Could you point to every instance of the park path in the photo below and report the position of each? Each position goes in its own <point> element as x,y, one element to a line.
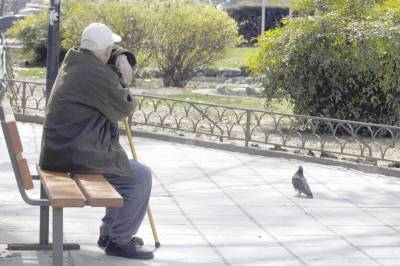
<point>215,207</point>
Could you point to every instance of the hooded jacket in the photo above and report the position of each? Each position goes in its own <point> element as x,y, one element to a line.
<point>80,132</point>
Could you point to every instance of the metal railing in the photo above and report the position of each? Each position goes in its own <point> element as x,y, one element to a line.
<point>27,98</point>
<point>2,65</point>
<point>6,70</point>
<point>257,128</point>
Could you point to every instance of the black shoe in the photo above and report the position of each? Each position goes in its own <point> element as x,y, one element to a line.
<point>129,250</point>
<point>103,240</point>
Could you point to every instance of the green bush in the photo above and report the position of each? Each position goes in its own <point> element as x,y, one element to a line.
<point>32,31</point>
<point>176,34</point>
<point>315,7</point>
<point>186,36</point>
<point>338,64</point>
<point>132,21</point>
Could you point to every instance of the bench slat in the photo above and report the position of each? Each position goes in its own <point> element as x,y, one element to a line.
<point>61,189</point>
<point>25,173</point>
<point>98,191</point>
<point>17,150</point>
<point>11,134</point>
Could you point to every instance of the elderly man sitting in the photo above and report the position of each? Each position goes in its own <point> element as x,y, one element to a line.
<point>80,133</point>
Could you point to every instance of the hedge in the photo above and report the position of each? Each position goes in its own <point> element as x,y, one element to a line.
<point>343,63</point>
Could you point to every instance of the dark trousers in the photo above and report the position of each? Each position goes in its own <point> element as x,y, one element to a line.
<point>120,224</point>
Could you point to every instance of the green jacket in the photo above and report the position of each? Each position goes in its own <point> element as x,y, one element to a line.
<point>80,132</point>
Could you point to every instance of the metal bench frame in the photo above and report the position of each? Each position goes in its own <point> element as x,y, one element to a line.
<point>44,203</point>
<point>57,246</point>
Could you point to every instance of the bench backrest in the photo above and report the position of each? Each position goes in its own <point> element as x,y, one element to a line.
<point>14,145</point>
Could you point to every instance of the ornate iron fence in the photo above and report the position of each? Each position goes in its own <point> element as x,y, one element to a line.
<point>257,128</point>
<point>27,98</point>
<point>6,69</point>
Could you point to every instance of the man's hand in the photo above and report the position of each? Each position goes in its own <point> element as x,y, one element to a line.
<point>125,69</point>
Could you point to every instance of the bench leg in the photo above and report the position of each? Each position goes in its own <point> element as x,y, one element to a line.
<point>43,233</point>
<point>57,237</point>
<point>44,220</point>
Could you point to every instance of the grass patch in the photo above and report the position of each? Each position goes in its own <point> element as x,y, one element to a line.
<point>237,57</point>
<point>18,54</point>
<point>277,105</point>
<point>32,72</point>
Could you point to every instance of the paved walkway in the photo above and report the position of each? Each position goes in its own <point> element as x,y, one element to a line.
<point>221,208</point>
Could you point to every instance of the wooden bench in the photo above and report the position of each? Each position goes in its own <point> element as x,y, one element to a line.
<point>57,190</point>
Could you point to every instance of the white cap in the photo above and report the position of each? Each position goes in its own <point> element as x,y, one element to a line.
<point>98,36</point>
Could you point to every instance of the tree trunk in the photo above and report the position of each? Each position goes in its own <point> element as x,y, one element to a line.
<point>175,77</point>
<point>174,81</point>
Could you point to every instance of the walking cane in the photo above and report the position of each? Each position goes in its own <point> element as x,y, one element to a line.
<point>149,214</point>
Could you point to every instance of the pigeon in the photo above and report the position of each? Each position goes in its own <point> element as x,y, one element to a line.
<point>300,183</point>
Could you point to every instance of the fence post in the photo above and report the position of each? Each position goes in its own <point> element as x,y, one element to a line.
<point>23,100</point>
<point>247,133</point>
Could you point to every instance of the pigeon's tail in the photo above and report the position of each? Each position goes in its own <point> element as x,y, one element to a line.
<point>307,191</point>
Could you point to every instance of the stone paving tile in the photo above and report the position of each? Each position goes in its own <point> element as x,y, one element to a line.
<point>390,216</point>
<point>239,181</point>
<point>215,207</point>
<point>365,195</point>
<point>215,230</point>
<point>232,253</point>
<point>283,216</point>
<point>369,236</point>
<point>319,230</point>
<point>311,241</point>
<point>269,262</point>
<point>387,183</point>
<point>236,239</point>
<point>32,258</point>
<point>18,236</point>
<point>189,183</point>
<point>220,201</point>
<point>199,193</point>
<point>390,262</point>
<point>382,252</point>
<point>201,209</point>
<point>344,251</point>
<point>257,196</point>
<point>342,216</point>
<point>342,262</point>
<point>221,219</point>
<point>184,253</point>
